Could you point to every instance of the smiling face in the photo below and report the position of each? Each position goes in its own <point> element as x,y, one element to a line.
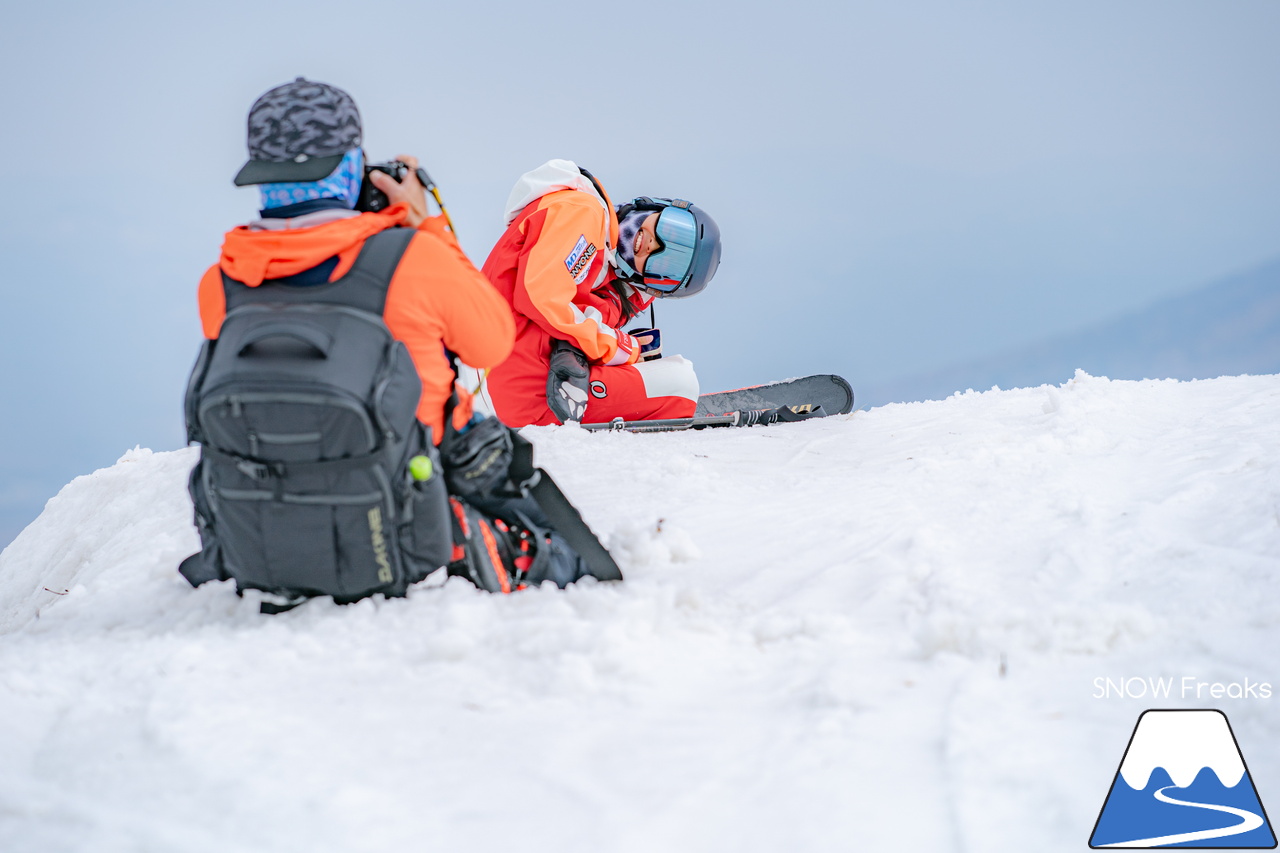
<point>646,241</point>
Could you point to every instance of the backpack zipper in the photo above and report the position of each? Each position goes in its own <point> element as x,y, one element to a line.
<point>337,400</point>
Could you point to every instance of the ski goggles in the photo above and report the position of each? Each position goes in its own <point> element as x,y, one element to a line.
<point>677,232</point>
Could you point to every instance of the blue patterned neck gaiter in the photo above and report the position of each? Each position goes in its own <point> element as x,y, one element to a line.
<point>343,183</point>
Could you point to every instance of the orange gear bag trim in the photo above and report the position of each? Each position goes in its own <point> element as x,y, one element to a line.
<point>436,299</point>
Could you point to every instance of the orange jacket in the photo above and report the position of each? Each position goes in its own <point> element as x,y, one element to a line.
<point>553,255</point>
<point>436,299</point>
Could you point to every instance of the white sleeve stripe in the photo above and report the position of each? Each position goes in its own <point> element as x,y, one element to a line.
<point>594,315</point>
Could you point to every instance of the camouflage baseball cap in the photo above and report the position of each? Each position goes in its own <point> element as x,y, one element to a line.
<point>299,132</point>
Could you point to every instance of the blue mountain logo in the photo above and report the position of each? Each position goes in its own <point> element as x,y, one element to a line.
<point>1183,783</point>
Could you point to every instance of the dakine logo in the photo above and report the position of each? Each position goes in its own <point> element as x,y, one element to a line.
<point>482,470</point>
<point>380,554</point>
<point>1183,782</point>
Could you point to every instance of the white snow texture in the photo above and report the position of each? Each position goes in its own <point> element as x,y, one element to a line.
<point>871,632</point>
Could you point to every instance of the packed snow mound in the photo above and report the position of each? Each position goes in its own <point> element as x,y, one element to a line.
<point>877,631</point>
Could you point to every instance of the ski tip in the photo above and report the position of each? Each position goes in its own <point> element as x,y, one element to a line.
<point>848,390</point>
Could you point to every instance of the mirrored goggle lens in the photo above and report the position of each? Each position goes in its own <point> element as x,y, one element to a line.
<point>678,232</point>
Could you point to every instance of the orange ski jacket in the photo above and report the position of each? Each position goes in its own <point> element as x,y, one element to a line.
<point>561,234</point>
<point>436,299</point>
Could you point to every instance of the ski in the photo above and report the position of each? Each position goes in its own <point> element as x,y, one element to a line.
<point>827,390</point>
<point>744,418</point>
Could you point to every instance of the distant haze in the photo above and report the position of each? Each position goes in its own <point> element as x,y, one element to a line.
<point>1227,328</point>
<point>902,187</point>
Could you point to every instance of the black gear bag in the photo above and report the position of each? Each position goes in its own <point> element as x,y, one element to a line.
<point>305,410</point>
<point>513,527</point>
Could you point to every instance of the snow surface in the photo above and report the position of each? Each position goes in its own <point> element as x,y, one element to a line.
<point>873,632</point>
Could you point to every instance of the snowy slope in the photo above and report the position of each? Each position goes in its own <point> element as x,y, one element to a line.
<point>873,632</point>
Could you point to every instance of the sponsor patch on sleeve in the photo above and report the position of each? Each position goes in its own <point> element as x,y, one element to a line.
<point>578,248</point>
<point>578,261</point>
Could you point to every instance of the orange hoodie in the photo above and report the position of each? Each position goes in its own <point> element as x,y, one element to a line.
<point>437,298</point>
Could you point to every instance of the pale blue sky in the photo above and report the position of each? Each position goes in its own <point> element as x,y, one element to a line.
<point>901,185</point>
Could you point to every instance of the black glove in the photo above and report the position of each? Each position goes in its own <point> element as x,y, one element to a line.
<point>567,382</point>
<point>477,462</point>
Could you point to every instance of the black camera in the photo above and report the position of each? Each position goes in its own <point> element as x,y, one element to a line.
<point>373,199</point>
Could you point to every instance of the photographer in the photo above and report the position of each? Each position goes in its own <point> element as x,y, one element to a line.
<point>305,156</point>
<point>326,383</point>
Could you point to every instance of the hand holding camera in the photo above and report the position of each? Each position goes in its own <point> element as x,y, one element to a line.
<point>398,181</point>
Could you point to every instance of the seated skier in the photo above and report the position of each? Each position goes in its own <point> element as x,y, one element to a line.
<point>575,271</point>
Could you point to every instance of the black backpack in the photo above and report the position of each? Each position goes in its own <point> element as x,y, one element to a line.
<point>305,410</point>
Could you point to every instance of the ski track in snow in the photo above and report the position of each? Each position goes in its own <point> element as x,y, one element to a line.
<point>807,653</point>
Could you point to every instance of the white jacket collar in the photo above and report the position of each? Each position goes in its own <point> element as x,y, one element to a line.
<point>552,176</point>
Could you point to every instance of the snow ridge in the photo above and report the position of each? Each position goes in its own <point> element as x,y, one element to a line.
<point>878,630</point>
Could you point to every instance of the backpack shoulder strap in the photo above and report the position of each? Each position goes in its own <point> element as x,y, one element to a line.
<point>377,263</point>
<point>364,286</point>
